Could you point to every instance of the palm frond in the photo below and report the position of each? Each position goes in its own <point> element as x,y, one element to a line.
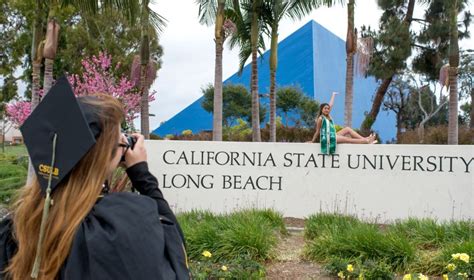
<point>244,54</point>
<point>299,8</point>
<point>207,11</point>
<point>156,20</point>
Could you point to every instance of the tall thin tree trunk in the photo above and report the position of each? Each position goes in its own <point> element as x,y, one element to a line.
<point>471,123</point>
<point>144,111</point>
<point>380,94</point>
<point>36,58</point>
<point>256,136</point>
<point>348,100</point>
<point>399,125</point>
<point>273,68</point>
<point>378,99</point>
<point>351,45</point>
<point>453,107</point>
<point>453,77</point>
<point>219,41</point>
<point>3,132</point>
<point>217,112</point>
<point>144,61</point>
<point>48,75</point>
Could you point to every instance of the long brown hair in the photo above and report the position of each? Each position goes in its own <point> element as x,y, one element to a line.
<point>73,200</point>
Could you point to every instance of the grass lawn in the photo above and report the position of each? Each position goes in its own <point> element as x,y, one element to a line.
<point>13,170</point>
<point>17,150</point>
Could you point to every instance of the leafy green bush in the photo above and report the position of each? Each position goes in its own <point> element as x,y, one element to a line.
<point>187,132</point>
<point>355,269</point>
<point>239,132</point>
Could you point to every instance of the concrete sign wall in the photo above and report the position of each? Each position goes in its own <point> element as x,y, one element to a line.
<point>383,182</point>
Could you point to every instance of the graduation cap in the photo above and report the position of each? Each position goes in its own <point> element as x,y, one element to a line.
<point>57,134</point>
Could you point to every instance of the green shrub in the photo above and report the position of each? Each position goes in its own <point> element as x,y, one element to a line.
<point>328,223</point>
<point>249,233</point>
<point>455,248</point>
<point>356,269</point>
<point>428,234</point>
<point>242,268</point>
<point>364,242</point>
<point>437,135</point>
<point>239,132</point>
<point>241,241</point>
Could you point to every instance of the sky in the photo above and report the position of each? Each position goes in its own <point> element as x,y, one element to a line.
<point>189,50</point>
<point>188,60</point>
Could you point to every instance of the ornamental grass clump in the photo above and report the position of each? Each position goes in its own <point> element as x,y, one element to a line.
<point>364,242</point>
<point>430,234</point>
<point>324,223</point>
<point>240,242</point>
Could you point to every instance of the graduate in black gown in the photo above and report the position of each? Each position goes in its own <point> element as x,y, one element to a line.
<point>66,224</point>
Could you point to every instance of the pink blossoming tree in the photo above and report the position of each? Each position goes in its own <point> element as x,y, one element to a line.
<point>97,77</point>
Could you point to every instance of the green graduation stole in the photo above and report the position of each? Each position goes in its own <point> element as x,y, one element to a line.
<point>328,137</point>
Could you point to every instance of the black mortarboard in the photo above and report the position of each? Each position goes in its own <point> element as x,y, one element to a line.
<point>57,134</point>
<point>76,127</point>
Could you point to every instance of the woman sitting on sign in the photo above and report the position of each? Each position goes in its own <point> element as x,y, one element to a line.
<point>66,224</point>
<point>326,130</point>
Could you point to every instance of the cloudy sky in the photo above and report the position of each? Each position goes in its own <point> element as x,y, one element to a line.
<point>188,61</point>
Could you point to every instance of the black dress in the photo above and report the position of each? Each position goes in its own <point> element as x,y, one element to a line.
<point>124,236</point>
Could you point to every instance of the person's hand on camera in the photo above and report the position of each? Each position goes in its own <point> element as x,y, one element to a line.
<point>138,154</point>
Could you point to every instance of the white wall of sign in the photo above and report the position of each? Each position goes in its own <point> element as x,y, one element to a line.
<point>374,182</point>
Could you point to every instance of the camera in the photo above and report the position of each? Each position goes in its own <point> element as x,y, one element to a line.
<point>131,143</point>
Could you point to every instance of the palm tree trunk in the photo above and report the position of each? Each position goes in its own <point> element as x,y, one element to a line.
<point>351,46</point>
<point>217,112</point>
<point>453,77</point>
<point>144,61</point>
<point>48,75</point>
<point>144,111</point>
<point>348,100</point>
<point>219,40</point>
<point>273,68</point>
<point>256,137</point>
<point>453,107</point>
<point>35,98</point>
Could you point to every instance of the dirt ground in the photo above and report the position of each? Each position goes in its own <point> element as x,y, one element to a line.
<point>289,263</point>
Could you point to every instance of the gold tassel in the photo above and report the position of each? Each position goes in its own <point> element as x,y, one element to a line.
<point>47,203</point>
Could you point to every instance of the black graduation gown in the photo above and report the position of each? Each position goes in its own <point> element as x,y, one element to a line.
<point>125,236</point>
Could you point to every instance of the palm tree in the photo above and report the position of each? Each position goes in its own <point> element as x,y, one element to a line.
<point>250,41</point>
<point>351,46</point>
<point>273,13</point>
<point>255,28</point>
<point>151,23</point>
<point>453,74</point>
<point>212,13</point>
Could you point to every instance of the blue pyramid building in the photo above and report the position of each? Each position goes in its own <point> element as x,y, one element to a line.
<point>312,58</point>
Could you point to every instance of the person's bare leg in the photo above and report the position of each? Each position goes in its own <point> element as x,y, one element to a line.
<point>344,139</point>
<point>349,131</point>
